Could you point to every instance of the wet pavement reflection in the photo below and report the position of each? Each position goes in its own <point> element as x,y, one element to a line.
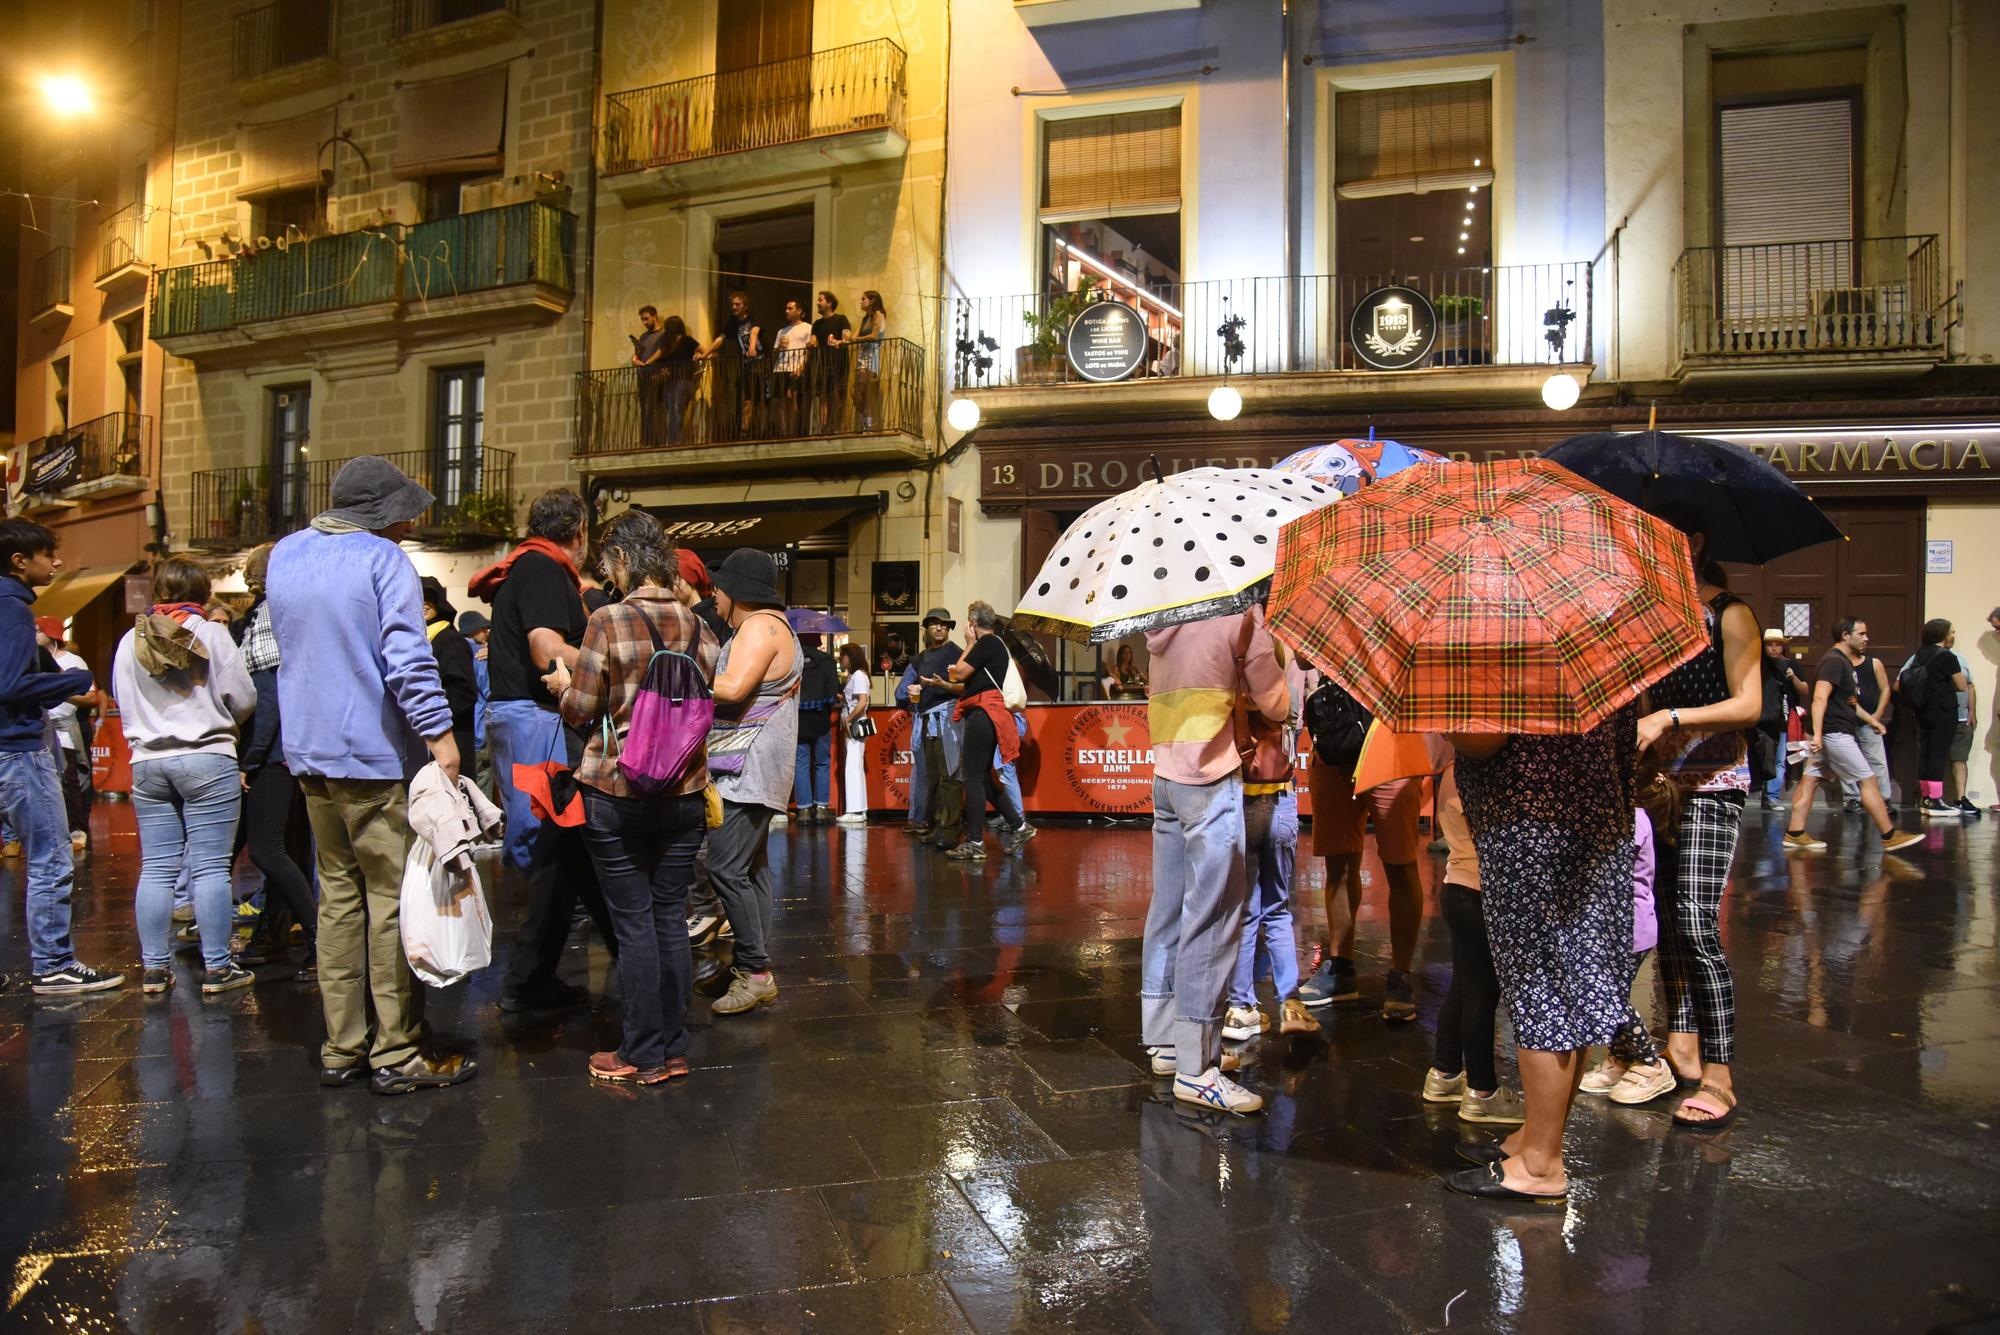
<point>944,1124</point>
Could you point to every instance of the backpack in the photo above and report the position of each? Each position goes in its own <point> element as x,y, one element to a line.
<point>1915,682</point>
<point>1338,725</point>
<point>671,717</point>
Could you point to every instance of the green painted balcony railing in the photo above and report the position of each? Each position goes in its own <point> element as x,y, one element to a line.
<point>475,252</point>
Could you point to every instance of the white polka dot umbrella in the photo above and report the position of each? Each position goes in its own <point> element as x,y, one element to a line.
<point>1182,548</point>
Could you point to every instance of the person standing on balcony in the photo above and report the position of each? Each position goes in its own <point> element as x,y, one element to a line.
<point>794,344</point>
<point>735,349</point>
<point>867,343</point>
<point>649,352</point>
<point>830,335</point>
<point>680,374</point>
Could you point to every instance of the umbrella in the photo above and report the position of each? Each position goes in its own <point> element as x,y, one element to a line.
<point>812,621</point>
<point>1178,548</point>
<point>1755,513</point>
<point>1503,597</point>
<point>1349,465</point>
<point>1036,669</point>
<point>1387,755</point>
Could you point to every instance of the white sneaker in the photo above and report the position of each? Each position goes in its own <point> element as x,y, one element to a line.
<point>1213,1089</point>
<point>850,820</point>
<point>1244,1022</point>
<point>780,821</point>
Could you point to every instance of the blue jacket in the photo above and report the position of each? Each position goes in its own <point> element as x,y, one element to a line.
<point>360,685</point>
<point>26,692</point>
<point>479,674</point>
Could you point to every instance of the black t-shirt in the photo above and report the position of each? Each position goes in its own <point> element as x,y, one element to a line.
<point>1777,692</point>
<point>1840,715</point>
<point>819,695</point>
<point>538,594</point>
<point>1941,693</point>
<point>736,333</point>
<point>932,663</point>
<point>988,660</point>
<point>1869,689</point>
<point>649,343</point>
<point>833,359</point>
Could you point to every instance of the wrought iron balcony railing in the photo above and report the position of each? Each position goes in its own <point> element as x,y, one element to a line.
<point>870,389</point>
<point>1876,295</point>
<point>474,252</point>
<point>1517,315</point>
<point>241,507</point>
<point>121,240</point>
<point>277,36</point>
<point>48,284</point>
<point>116,445</point>
<point>415,16</point>
<point>848,88</point>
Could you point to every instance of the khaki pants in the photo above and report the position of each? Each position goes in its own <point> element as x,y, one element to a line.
<point>362,829</point>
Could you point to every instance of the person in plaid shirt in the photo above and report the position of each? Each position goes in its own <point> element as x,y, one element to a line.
<point>643,847</point>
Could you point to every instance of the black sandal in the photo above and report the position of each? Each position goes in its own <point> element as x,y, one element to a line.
<point>1481,1152</point>
<point>1488,1184</point>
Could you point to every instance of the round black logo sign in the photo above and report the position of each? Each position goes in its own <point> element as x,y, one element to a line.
<point>1392,328</point>
<point>1107,341</point>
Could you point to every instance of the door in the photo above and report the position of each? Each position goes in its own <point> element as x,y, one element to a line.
<point>291,432</point>
<point>763,73</point>
<point>1877,574</point>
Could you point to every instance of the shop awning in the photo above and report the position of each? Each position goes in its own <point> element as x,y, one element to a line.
<point>73,590</point>
<point>766,525</point>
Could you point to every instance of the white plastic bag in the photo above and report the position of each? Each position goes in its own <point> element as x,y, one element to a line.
<point>447,932</point>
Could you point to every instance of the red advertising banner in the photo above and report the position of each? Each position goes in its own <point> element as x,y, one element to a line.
<point>110,756</point>
<point>1077,759</point>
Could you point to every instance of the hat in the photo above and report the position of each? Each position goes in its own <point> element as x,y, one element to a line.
<point>51,627</point>
<point>749,576</point>
<point>471,623</point>
<point>1774,634</point>
<point>434,595</point>
<point>939,614</point>
<point>693,571</point>
<point>372,493</point>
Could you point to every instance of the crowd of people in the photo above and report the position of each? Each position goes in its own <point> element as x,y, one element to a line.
<point>293,730</point>
<point>799,375</point>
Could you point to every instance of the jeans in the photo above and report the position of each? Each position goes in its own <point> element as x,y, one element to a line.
<point>1270,849</point>
<point>280,843</point>
<point>186,805</point>
<point>1465,1022</point>
<point>361,828</point>
<point>812,772</point>
<point>521,732</point>
<point>32,802</point>
<point>644,853</point>
<point>1877,755</point>
<point>739,865</point>
<point>1195,920</point>
<point>560,876</point>
<point>920,795</point>
<point>979,746</point>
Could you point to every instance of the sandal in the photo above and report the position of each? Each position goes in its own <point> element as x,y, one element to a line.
<point>1490,1184</point>
<point>1643,1085</point>
<point>1720,1104</point>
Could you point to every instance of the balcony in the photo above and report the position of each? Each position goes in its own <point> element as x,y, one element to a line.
<point>284,48</point>
<point>48,287</point>
<point>730,415</point>
<point>242,507</point>
<point>106,456</point>
<point>1872,307</point>
<point>121,240</point>
<point>1500,332</point>
<point>842,106</point>
<point>371,290</point>
<point>428,28</point>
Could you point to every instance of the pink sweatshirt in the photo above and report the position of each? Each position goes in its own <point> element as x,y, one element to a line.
<point>1197,673</point>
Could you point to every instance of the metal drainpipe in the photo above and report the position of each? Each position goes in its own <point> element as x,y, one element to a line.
<point>589,266</point>
<point>1291,193</point>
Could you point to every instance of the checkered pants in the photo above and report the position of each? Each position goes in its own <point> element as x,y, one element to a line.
<point>1693,873</point>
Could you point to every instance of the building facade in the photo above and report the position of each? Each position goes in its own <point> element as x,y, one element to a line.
<point>375,250</point>
<point>778,149</point>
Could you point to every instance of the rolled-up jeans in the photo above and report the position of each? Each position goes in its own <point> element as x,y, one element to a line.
<point>1196,918</point>
<point>186,806</point>
<point>521,732</point>
<point>1271,849</point>
<point>31,803</point>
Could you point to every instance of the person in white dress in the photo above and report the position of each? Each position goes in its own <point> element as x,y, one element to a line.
<point>853,774</point>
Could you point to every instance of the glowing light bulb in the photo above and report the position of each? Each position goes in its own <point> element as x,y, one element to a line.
<point>1224,403</point>
<point>963,414</point>
<point>1560,391</point>
<point>67,94</point>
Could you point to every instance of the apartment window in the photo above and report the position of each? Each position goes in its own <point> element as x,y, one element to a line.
<point>293,212</point>
<point>1111,202</point>
<point>59,396</point>
<point>458,431</point>
<point>291,434</point>
<point>1413,176</point>
<point>1788,203</point>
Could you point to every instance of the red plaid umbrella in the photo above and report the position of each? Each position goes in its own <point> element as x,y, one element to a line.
<point>1506,597</point>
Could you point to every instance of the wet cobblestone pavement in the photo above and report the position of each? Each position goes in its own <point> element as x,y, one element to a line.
<point>944,1125</point>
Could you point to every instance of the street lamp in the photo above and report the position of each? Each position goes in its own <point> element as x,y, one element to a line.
<point>963,414</point>
<point>1224,402</point>
<point>67,95</point>
<point>1560,391</point>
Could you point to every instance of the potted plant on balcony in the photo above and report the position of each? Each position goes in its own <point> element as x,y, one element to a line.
<point>1461,338</point>
<point>477,518</point>
<point>1039,361</point>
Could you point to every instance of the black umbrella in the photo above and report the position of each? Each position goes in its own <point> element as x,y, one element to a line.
<point>1035,666</point>
<point>1755,513</point>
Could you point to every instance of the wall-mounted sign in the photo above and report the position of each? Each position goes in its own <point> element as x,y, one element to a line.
<point>1392,328</point>
<point>1937,556</point>
<point>893,587</point>
<point>54,467</point>
<point>1107,341</point>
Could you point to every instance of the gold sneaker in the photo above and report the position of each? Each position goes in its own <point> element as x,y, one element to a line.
<point>1442,1088</point>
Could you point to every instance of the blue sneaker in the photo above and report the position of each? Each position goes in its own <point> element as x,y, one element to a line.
<point>1333,982</point>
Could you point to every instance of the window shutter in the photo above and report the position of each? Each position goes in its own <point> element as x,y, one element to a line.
<point>1394,141</point>
<point>1102,165</point>
<point>1788,172</point>
<point>283,155</point>
<point>451,125</point>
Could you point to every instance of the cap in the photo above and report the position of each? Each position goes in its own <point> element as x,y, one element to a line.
<point>51,627</point>
<point>939,614</point>
<point>1775,635</point>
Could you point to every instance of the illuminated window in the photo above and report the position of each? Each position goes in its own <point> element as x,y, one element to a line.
<point>1413,169</point>
<point>459,433</point>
